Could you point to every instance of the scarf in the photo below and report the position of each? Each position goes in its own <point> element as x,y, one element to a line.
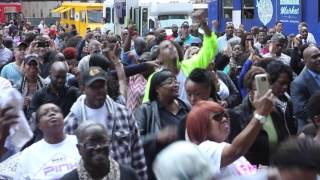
<point>24,88</point>
<point>114,172</point>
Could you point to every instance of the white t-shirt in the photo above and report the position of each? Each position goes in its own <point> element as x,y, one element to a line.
<point>48,161</point>
<point>97,115</point>
<point>181,78</point>
<point>283,58</point>
<point>223,90</point>
<point>239,167</point>
<point>4,84</point>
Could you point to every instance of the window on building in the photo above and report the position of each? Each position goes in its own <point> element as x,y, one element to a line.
<point>247,9</point>
<point>227,9</point>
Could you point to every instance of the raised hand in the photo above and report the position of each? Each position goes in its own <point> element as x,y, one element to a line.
<point>167,135</point>
<point>198,17</point>
<point>8,117</point>
<point>265,103</point>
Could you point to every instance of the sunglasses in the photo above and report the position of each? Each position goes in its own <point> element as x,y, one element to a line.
<point>219,116</point>
<point>96,147</point>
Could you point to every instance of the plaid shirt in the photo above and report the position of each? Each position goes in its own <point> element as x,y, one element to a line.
<point>126,146</point>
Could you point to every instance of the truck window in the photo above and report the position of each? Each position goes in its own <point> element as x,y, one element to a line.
<point>247,9</point>
<point>137,17</point>
<point>83,16</point>
<point>319,10</point>
<point>94,16</point>
<point>166,21</point>
<point>72,13</point>
<point>108,15</point>
<point>65,15</point>
<point>112,15</point>
<point>227,9</point>
<point>151,24</point>
<point>144,23</point>
<point>123,13</point>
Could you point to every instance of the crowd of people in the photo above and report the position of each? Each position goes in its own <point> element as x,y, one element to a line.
<point>183,106</point>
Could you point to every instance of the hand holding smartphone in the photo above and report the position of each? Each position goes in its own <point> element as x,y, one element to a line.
<point>262,84</point>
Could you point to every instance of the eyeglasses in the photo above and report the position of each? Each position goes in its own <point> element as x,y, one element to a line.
<point>169,81</point>
<point>94,146</point>
<point>219,116</point>
<point>185,27</point>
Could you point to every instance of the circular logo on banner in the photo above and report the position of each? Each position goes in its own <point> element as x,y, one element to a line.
<point>265,11</point>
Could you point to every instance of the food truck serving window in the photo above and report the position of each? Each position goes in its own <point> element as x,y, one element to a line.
<point>227,8</point>
<point>247,9</point>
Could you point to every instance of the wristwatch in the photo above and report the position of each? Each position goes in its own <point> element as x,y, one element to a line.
<point>262,119</point>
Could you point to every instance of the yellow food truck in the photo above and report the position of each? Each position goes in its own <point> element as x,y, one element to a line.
<point>82,15</point>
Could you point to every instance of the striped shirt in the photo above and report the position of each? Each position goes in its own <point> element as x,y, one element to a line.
<point>5,55</point>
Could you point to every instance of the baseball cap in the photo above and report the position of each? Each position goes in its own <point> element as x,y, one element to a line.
<point>92,74</point>
<point>30,58</point>
<point>185,24</point>
<point>21,45</point>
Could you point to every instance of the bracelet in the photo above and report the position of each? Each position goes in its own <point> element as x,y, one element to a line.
<point>262,119</point>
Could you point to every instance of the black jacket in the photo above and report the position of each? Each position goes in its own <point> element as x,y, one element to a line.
<point>285,125</point>
<point>149,122</point>
<point>126,173</point>
<point>234,94</point>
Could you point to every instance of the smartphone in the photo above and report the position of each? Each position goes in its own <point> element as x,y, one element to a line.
<point>262,84</point>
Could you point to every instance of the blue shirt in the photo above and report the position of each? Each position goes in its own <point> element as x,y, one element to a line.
<point>187,41</point>
<point>223,42</point>
<point>125,59</point>
<point>11,72</point>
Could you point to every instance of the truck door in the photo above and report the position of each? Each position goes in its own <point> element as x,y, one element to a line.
<point>83,21</point>
<point>136,20</point>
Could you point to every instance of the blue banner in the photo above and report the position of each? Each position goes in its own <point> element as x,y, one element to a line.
<point>289,11</point>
